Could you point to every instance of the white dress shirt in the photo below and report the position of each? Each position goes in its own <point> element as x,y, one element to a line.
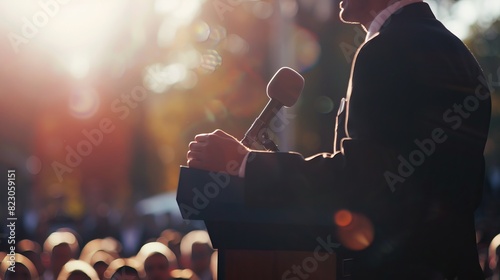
<point>382,17</point>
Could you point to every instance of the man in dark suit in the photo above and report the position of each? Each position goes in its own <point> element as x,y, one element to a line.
<point>409,148</point>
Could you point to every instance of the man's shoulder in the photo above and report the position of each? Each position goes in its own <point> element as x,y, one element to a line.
<point>413,29</point>
<point>415,26</point>
<point>416,36</point>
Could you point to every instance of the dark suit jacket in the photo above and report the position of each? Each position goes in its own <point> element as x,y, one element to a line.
<point>417,119</point>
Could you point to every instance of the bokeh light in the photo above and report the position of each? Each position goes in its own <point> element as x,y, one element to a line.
<point>154,78</point>
<point>324,104</point>
<point>84,103</point>
<point>236,45</point>
<point>210,61</point>
<point>33,165</point>
<point>215,110</point>
<point>343,218</point>
<point>262,10</point>
<point>288,8</point>
<point>217,34</point>
<point>188,56</point>
<point>79,66</point>
<point>201,31</point>
<point>307,48</point>
<point>159,78</point>
<point>189,81</point>
<point>174,73</point>
<point>354,230</point>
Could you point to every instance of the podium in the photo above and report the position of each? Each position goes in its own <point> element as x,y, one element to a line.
<point>261,243</point>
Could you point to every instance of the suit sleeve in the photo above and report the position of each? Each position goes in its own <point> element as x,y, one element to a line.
<point>324,181</point>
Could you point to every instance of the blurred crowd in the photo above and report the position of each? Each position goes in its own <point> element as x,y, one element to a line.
<point>170,255</point>
<point>63,256</point>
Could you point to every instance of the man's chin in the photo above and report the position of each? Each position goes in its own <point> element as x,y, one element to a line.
<point>345,14</point>
<point>345,18</point>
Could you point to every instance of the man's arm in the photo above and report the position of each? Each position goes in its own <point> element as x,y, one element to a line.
<point>353,178</point>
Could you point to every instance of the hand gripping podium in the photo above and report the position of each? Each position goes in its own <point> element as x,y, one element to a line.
<point>261,243</point>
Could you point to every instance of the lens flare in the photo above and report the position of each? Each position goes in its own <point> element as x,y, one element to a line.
<point>343,218</point>
<point>354,230</point>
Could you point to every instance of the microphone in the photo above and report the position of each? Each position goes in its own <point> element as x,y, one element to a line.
<point>283,89</point>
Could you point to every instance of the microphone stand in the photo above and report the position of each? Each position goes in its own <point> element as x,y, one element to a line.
<point>268,143</point>
<point>263,142</point>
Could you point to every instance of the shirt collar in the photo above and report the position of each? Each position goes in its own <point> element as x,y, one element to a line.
<point>382,17</point>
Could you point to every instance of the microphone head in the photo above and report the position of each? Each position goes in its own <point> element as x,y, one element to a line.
<point>285,86</point>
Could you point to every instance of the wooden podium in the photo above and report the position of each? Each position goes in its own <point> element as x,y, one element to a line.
<point>261,243</point>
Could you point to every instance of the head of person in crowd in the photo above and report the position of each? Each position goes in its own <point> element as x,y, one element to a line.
<point>494,254</point>
<point>196,250</point>
<point>17,267</point>
<point>108,245</point>
<point>172,239</point>
<point>99,253</point>
<point>100,261</point>
<point>214,263</point>
<point>33,251</point>
<point>183,274</point>
<point>60,247</point>
<point>77,270</point>
<point>158,260</point>
<point>124,269</point>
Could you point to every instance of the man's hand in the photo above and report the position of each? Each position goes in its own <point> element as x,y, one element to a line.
<point>216,151</point>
